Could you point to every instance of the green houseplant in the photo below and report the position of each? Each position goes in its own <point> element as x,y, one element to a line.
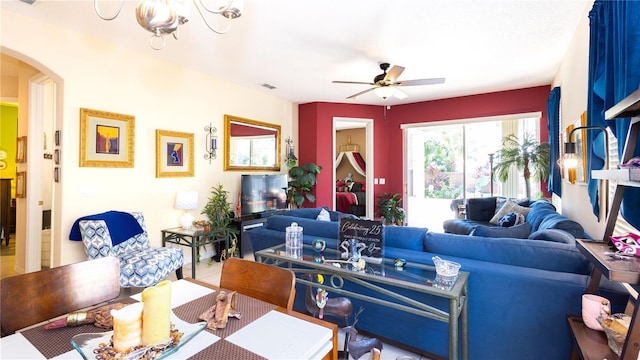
<point>302,179</point>
<point>389,206</point>
<point>529,156</point>
<point>218,211</point>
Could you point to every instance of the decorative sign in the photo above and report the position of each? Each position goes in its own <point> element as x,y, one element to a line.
<point>361,239</point>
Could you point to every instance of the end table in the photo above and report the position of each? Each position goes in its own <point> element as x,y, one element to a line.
<point>191,238</point>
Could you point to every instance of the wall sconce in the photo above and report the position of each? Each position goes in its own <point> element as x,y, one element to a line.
<point>211,142</point>
<point>186,200</point>
<point>570,160</point>
<point>290,158</point>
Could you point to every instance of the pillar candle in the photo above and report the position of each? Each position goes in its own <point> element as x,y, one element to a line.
<point>156,316</point>
<point>127,327</point>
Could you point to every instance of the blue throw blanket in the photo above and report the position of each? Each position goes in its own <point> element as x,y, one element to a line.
<point>121,225</point>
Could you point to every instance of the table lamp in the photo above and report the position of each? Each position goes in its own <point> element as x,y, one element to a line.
<point>186,200</point>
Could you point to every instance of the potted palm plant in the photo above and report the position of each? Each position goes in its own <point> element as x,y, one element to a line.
<point>530,156</point>
<point>302,179</point>
<point>389,207</point>
<point>218,211</point>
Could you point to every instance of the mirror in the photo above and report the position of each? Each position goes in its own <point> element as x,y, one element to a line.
<point>251,144</point>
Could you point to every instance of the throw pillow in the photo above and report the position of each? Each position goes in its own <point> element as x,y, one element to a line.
<point>517,232</point>
<point>509,207</point>
<point>556,235</point>
<point>324,215</point>
<point>511,219</point>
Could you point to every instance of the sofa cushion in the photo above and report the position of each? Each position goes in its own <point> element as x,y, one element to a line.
<point>553,235</point>
<point>461,226</point>
<point>323,215</point>
<point>509,206</point>
<point>404,237</point>
<point>521,231</point>
<point>557,221</point>
<point>481,209</point>
<point>311,227</point>
<point>511,219</point>
<point>539,210</point>
<point>309,213</point>
<point>545,255</point>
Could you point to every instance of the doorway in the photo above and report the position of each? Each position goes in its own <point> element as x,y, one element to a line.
<point>38,105</point>
<point>353,140</point>
<point>453,160</point>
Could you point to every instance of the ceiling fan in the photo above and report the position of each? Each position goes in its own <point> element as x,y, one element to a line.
<point>386,84</point>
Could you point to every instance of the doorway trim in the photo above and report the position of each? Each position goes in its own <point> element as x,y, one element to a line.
<point>33,232</point>
<point>369,160</point>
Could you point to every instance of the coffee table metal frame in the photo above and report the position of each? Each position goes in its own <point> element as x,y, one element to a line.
<point>456,316</point>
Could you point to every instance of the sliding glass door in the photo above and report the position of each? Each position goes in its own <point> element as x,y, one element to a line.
<point>453,161</point>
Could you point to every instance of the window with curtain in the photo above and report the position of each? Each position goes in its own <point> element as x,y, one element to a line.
<point>614,55</point>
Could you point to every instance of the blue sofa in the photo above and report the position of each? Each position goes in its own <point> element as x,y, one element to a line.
<point>540,215</point>
<point>520,290</point>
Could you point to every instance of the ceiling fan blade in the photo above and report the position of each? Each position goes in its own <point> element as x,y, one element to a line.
<point>394,73</point>
<point>352,82</point>
<point>360,93</point>
<point>432,81</point>
<point>399,93</point>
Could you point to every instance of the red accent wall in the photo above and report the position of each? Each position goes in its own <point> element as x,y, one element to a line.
<point>316,126</point>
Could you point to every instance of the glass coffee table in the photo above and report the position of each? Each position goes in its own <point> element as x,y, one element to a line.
<point>379,277</point>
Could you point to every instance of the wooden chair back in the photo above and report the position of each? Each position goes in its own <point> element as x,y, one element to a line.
<point>31,298</point>
<point>268,283</point>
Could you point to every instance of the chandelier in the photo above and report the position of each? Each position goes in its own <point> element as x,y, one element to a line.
<point>163,17</point>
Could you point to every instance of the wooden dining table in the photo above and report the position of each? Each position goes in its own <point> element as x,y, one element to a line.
<point>264,331</point>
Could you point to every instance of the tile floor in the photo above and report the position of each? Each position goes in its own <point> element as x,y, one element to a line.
<point>211,273</point>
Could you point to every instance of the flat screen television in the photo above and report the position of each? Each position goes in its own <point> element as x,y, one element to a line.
<point>263,193</point>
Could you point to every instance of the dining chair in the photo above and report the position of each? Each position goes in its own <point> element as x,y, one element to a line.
<point>268,283</point>
<point>31,298</point>
<point>375,354</point>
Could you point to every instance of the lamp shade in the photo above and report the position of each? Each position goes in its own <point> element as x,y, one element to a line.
<point>384,91</point>
<point>187,200</point>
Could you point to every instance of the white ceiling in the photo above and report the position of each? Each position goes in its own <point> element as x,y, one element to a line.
<point>300,46</point>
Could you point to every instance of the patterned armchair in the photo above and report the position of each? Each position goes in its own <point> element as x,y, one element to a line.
<point>140,264</point>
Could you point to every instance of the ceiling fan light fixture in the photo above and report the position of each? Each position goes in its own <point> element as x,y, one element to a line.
<point>384,91</point>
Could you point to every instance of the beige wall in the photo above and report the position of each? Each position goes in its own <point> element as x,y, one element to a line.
<point>572,78</point>
<point>93,74</point>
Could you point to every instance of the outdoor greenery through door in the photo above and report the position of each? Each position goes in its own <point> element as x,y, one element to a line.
<point>445,162</point>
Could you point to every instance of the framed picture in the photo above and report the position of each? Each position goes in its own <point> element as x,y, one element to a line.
<point>21,149</point>
<point>56,156</point>
<point>56,174</point>
<point>174,154</point>
<point>56,137</point>
<point>106,139</point>
<point>21,184</point>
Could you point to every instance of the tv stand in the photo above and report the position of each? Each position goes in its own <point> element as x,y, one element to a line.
<point>247,222</point>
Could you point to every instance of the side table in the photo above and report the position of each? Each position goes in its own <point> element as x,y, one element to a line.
<point>191,238</point>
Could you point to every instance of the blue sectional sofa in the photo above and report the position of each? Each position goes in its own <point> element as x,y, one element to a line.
<point>520,290</point>
<point>540,216</point>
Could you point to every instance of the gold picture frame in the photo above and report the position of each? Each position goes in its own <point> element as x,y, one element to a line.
<point>21,149</point>
<point>174,154</point>
<point>106,139</point>
<point>21,184</point>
